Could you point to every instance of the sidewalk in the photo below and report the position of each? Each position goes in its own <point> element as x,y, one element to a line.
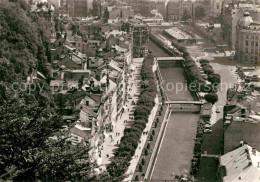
<point>138,151</point>
<point>113,138</point>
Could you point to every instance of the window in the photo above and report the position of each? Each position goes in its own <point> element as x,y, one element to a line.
<point>252,51</point>
<point>253,37</point>
<point>246,58</point>
<point>256,44</point>
<point>246,42</point>
<point>246,50</point>
<point>252,59</point>
<point>252,43</point>
<point>256,51</point>
<point>256,59</point>
<point>256,37</point>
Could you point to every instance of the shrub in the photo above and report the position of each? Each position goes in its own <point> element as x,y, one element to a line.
<point>153,132</point>
<point>214,78</point>
<point>208,70</point>
<point>136,178</point>
<point>151,137</point>
<point>203,61</point>
<point>140,168</point>
<point>145,152</point>
<point>143,161</point>
<point>186,54</point>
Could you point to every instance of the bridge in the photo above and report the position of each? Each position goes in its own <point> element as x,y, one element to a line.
<point>185,106</point>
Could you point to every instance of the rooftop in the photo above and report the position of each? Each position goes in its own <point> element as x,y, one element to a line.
<point>241,164</point>
<point>178,34</point>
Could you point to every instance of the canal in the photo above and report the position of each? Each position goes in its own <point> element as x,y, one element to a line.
<point>176,149</point>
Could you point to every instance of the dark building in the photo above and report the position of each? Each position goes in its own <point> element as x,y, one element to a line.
<point>140,35</point>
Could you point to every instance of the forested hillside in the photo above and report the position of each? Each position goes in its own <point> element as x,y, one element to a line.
<point>28,120</point>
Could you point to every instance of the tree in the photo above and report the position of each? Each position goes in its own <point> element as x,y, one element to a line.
<point>136,178</point>
<point>186,54</point>
<point>199,12</point>
<point>148,146</point>
<point>185,15</point>
<point>151,137</point>
<point>211,98</point>
<point>140,168</point>
<point>214,78</point>
<point>153,132</point>
<point>106,15</point>
<point>32,146</point>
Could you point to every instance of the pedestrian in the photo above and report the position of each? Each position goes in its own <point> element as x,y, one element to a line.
<point>107,156</point>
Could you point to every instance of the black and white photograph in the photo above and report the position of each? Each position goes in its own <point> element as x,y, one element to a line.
<point>129,90</point>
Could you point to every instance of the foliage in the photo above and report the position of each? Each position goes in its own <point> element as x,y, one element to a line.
<point>186,15</point>
<point>106,15</point>
<point>32,146</point>
<point>214,78</point>
<point>211,97</point>
<point>200,12</point>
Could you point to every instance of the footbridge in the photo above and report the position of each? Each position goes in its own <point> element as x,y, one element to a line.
<point>185,106</point>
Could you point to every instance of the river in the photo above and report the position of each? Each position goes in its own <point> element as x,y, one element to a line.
<point>176,149</point>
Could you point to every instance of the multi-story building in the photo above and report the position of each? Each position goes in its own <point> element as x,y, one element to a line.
<point>248,40</point>
<point>140,36</point>
<point>144,7</point>
<point>120,11</point>
<point>215,8</point>
<point>232,12</point>
<point>77,8</point>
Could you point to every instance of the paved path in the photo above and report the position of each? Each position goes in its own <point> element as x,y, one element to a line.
<point>113,138</point>
<point>138,151</point>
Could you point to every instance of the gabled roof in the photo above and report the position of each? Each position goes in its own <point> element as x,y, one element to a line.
<point>241,164</point>
<point>68,63</point>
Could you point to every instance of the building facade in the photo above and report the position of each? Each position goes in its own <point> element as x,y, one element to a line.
<point>77,8</point>
<point>140,36</point>
<point>248,40</point>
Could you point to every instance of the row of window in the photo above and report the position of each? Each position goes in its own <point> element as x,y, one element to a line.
<point>253,43</point>
<point>252,59</point>
<point>252,37</point>
<point>253,51</point>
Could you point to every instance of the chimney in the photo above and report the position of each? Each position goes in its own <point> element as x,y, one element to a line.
<point>254,151</point>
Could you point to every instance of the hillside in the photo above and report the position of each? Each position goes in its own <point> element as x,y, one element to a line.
<point>28,119</point>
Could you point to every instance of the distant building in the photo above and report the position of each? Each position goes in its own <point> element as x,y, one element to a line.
<point>215,7</point>
<point>176,9</point>
<point>248,40</point>
<point>140,37</point>
<point>77,8</point>
<point>232,12</point>
<point>240,164</point>
<point>144,7</point>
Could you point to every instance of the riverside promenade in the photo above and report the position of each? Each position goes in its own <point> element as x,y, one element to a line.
<point>143,139</point>
<point>113,138</point>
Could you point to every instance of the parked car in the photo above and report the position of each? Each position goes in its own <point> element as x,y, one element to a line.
<point>217,111</point>
<point>207,131</point>
<point>208,126</point>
